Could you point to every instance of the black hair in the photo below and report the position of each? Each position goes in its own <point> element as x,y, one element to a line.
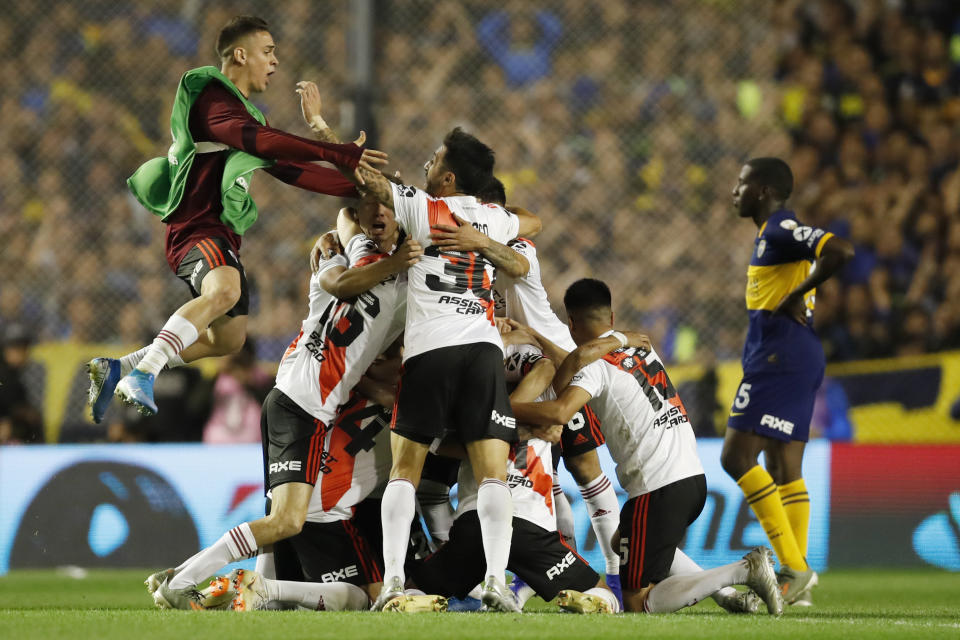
<point>773,173</point>
<point>238,27</point>
<point>493,192</point>
<point>587,294</point>
<point>470,160</point>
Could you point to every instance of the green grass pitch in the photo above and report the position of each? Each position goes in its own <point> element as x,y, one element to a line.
<point>115,605</point>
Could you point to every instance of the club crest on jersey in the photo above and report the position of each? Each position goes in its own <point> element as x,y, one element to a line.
<point>761,247</point>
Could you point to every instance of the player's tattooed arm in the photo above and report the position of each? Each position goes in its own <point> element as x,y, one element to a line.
<point>550,349</point>
<point>375,184</point>
<point>559,411</point>
<point>464,237</point>
<point>592,351</point>
<point>835,253</point>
<point>530,224</point>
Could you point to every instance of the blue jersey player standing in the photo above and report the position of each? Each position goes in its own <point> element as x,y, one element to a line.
<point>783,366</point>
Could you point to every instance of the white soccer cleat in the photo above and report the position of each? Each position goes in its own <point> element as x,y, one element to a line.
<point>741,602</point>
<point>416,604</point>
<point>577,602</point>
<point>793,583</point>
<point>251,594</point>
<point>392,588</point>
<point>497,597</point>
<point>805,597</point>
<point>154,580</point>
<point>187,599</point>
<point>762,579</point>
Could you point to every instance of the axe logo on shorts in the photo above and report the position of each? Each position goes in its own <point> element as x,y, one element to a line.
<point>776,423</point>
<point>560,567</point>
<point>286,465</point>
<point>340,575</point>
<point>506,421</point>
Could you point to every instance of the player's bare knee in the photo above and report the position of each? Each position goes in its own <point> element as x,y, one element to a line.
<point>634,600</point>
<point>287,524</point>
<point>223,297</point>
<point>734,462</point>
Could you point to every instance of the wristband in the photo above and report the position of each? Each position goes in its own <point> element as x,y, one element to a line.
<point>619,336</point>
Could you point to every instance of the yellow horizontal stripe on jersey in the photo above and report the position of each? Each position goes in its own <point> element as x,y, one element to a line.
<point>822,242</point>
<point>767,285</point>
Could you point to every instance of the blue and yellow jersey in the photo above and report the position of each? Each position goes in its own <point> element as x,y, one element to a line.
<point>783,256</point>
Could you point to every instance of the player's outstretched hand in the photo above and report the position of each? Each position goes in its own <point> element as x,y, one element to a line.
<point>310,102</point>
<point>462,237</point>
<point>369,158</point>
<point>503,325</point>
<point>325,247</point>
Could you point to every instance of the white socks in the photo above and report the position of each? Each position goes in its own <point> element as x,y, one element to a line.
<point>604,509</point>
<point>236,544</point>
<point>397,508</point>
<point>495,509</point>
<point>524,593</point>
<point>265,566</point>
<point>434,499</point>
<point>607,595</point>
<point>565,523</point>
<point>178,334</point>
<point>683,564</point>
<point>679,591</point>
<point>129,362</point>
<point>317,596</point>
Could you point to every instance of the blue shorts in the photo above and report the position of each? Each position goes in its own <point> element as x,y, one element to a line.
<point>776,405</point>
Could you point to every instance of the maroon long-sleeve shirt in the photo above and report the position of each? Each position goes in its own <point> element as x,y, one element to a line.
<point>218,116</point>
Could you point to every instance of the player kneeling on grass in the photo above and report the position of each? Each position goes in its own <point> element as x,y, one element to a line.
<point>538,554</point>
<point>650,438</point>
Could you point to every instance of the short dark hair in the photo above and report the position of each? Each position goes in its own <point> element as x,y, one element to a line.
<point>493,192</point>
<point>773,173</point>
<point>587,294</point>
<point>238,27</point>
<point>470,160</point>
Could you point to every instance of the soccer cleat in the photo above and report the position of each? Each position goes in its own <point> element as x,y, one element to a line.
<point>796,584</point>
<point>742,602</point>
<point>762,579</point>
<point>392,588</point>
<point>166,598</point>
<point>416,604</point>
<point>497,597</point>
<point>251,594</point>
<point>136,388</point>
<point>219,594</point>
<point>578,602</point>
<point>104,375</point>
<point>154,580</point>
<point>463,604</point>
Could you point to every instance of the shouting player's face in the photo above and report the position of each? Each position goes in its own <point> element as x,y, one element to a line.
<point>376,221</point>
<point>261,60</point>
<point>746,195</point>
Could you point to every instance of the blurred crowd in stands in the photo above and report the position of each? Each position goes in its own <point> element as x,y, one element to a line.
<point>622,123</point>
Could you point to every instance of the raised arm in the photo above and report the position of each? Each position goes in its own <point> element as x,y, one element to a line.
<point>464,237</point>
<point>347,283</point>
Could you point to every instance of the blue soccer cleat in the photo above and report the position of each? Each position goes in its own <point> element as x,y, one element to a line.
<point>136,389</point>
<point>104,375</point>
